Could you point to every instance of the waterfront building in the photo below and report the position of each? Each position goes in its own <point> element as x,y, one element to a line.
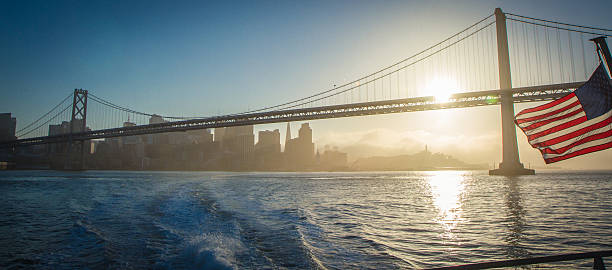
<point>299,152</point>
<point>287,134</point>
<point>156,119</point>
<point>268,150</point>
<point>131,139</point>
<point>200,136</point>
<point>239,144</point>
<point>333,160</point>
<point>218,137</point>
<point>64,128</point>
<point>160,138</point>
<point>7,127</point>
<point>269,139</point>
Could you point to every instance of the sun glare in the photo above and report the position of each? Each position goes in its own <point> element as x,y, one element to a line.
<point>441,89</point>
<point>447,189</point>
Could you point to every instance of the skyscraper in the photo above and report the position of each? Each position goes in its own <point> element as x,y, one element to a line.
<point>299,152</point>
<point>7,127</point>
<point>239,143</point>
<point>267,150</point>
<point>288,134</point>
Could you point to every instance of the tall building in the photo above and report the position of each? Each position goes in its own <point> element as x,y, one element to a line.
<point>219,134</point>
<point>288,134</point>
<point>238,143</point>
<point>156,119</point>
<point>299,152</point>
<point>130,139</point>
<point>268,150</point>
<point>200,136</point>
<point>64,128</point>
<point>269,139</point>
<point>161,138</point>
<point>7,127</point>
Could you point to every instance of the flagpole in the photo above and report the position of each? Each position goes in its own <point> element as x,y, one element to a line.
<point>602,49</point>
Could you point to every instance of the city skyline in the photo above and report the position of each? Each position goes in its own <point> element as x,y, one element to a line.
<point>226,149</point>
<point>314,65</point>
<point>270,134</point>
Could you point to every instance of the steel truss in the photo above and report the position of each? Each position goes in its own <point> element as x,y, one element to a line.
<point>460,100</point>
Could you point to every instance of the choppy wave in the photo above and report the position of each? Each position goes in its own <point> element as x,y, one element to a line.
<point>184,220</point>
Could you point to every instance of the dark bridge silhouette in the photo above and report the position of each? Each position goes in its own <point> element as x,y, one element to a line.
<point>477,58</point>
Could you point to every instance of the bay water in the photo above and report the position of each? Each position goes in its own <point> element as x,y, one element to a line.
<point>350,220</point>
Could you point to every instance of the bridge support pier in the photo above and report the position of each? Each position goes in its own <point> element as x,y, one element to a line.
<point>78,123</point>
<point>511,164</point>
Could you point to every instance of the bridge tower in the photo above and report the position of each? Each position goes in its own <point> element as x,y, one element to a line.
<point>78,123</point>
<point>511,164</point>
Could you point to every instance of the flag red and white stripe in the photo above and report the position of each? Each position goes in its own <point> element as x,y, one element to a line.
<point>572,125</point>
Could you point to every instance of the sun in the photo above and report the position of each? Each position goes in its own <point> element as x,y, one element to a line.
<point>441,89</point>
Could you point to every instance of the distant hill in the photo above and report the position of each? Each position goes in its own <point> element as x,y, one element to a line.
<point>423,160</point>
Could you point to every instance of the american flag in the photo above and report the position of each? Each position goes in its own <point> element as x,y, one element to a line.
<point>574,125</point>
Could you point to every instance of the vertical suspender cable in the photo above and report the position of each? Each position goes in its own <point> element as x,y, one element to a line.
<point>447,58</point>
<point>571,48</point>
<point>517,67</point>
<point>479,62</point>
<point>398,84</point>
<point>583,57</point>
<point>470,64</point>
<point>491,58</point>
<point>390,85</point>
<point>406,86</point>
<point>537,52</point>
<point>465,64</point>
<point>457,68</point>
<point>527,56</point>
<point>560,57</point>
<point>373,86</point>
<point>519,63</point>
<point>550,75</point>
<point>471,54</point>
<point>367,89</point>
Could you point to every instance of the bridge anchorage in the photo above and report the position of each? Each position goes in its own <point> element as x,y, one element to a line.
<point>532,66</point>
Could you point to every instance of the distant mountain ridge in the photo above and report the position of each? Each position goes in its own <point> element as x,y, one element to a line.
<point>423,160</point>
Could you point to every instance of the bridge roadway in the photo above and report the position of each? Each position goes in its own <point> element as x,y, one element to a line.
<point>459,100</point>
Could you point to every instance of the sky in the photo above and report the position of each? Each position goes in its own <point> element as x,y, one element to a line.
<point>209,58</point>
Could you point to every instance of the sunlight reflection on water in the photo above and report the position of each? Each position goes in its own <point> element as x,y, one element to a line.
<point>447,189</point>
<point>360,220</point>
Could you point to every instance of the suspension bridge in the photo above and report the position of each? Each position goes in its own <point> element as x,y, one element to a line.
<point>501,59</point>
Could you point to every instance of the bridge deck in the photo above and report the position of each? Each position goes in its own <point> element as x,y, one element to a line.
<point>459,100</point>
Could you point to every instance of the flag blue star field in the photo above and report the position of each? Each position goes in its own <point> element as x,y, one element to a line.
<point>574,125</point>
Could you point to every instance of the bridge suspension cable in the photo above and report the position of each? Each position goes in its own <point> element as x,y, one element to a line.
<point>539,54</point>
<point>560,23</point>
<point>382,75</point>
<point>128,110</point>
<point>37,128</point>
<point>370,78</point>
<point>366,77</point>
<point>560,28</point>
<point>43,116</point>
<point>546,51</point>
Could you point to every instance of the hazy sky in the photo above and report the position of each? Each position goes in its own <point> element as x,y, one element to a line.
<point>204,58</point>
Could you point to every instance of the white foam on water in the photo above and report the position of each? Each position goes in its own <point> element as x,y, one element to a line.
<point>213,251</point>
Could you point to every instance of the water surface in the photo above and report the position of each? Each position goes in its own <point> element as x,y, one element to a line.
<point>217,220</point>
